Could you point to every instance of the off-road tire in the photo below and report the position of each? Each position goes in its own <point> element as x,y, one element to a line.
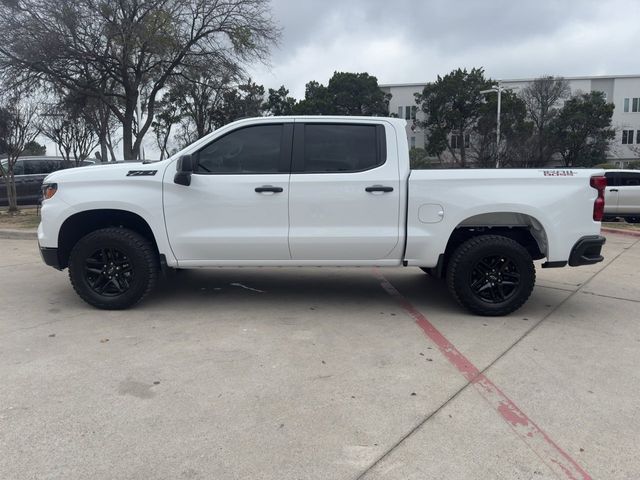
<point>133,253</point>
<point>467,267</point>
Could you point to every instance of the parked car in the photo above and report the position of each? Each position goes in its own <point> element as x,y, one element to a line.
<point>29,173</point>
<point>622,196</point>
<point>317,191</point>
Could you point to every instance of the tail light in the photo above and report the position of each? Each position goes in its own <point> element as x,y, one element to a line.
<point>599,183</point>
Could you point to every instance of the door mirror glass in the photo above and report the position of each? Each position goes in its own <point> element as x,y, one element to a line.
<point>184,170</point>
<point>185,164</point>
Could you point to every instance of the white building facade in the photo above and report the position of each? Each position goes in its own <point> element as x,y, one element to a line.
<point>622,90</point>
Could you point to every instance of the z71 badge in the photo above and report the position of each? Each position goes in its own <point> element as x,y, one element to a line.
<point>141,173</point>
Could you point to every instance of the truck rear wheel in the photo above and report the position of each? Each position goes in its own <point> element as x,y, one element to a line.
<point>491,275</point>
<point>113,268</point>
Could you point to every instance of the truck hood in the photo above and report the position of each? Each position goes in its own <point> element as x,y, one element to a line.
<point>104,172</point>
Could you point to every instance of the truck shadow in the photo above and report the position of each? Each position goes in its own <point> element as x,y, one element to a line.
<point>287,287</point>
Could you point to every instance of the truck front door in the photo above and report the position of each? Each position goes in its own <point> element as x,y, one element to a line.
<point>236,208</point>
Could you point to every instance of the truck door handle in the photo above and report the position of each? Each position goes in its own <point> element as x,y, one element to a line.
<point>378,188</point>
<point>268,188</point>
<point>613,190</point>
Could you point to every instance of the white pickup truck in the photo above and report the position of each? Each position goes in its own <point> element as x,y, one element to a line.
<point>316,191</point>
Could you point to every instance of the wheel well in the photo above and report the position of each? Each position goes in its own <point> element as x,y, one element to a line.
<point>522,235</point>
<point>524,229</point>
<point>77,226</point>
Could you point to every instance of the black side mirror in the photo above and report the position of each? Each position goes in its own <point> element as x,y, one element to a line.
<point>184,171</point>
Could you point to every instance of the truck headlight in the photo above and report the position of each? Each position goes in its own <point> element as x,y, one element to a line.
<point>49,190</point>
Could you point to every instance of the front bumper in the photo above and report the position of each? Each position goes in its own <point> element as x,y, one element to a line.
<point>50,257</point>
<point>587,250</point>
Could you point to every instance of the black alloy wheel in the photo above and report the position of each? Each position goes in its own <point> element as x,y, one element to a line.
<point>109,272</point>
<point>491,275</point>
<point>495,279</point>
<point>113,268</point>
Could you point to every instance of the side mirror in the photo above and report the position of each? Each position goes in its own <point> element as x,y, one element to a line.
<point>184,171</point>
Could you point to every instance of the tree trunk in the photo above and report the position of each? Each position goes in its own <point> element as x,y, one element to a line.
<point>10,185</point>
<point>127,138</point>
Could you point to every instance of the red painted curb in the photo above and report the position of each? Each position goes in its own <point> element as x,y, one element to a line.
<point>533,436</point>
<point>629,233</point>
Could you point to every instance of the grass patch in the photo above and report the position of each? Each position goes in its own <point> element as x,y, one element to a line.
<point>27,218</point>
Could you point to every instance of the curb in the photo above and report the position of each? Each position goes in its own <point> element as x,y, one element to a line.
<point>15,234</point>
<point>629,233</point>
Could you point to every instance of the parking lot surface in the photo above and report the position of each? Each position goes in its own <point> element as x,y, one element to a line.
<point>320,374</point>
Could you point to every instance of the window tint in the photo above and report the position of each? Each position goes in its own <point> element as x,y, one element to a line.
<point>612,179</point>
<point>341,148</point>
<point>247,150</point>
<point>630,179</point>
<point>40,167</point>
<point>18,167</point>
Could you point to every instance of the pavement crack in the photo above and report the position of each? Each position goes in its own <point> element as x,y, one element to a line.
<point>484,370</point>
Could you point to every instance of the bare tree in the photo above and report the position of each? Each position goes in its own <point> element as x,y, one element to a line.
<point>21,129</point>
<point>67,123</point>
<point>543,99</point>
<point>124,52</point>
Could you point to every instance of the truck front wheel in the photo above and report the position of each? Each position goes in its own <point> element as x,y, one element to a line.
<point>113,268</point>
<point>491,275</point>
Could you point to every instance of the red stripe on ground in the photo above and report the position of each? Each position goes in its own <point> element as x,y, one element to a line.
<point>535,438</point>
<point>618,231</point>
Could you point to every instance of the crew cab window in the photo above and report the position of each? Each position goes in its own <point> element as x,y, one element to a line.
<point>629,179</point>
<point>18,167</point>
<point>338,148</point>
<point>39,167</point>
<point>255,149</point>
<point>613,179</point>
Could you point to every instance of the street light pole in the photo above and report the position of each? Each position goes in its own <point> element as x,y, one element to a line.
<point>498,89</point>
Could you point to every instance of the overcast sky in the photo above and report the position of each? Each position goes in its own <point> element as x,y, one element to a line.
<point>401,41</point>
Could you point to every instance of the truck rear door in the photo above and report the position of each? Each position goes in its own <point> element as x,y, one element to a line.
<point>344,198</point>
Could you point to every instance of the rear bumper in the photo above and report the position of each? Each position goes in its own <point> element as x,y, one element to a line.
<point>50,257</point>
<point>587,250</point>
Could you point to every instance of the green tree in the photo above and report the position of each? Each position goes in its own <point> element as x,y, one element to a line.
<point>346,94</point>
<point>279,102</point>
<point>419,159</point>
<point>582,130</point>
<point>33,148</point>
<point>246,100</point>
<point>317,100</point>
<point>357,94</point>
<point>515,132</point>
<point>124,52</point>
<point>452,106</point>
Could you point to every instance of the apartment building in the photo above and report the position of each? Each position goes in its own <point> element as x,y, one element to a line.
<point>622,90</point>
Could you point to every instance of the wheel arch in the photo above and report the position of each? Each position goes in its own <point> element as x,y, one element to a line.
<point>82,223</point>
<point>523,228</point>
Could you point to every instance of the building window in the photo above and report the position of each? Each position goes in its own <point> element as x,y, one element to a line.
<point>626,104</point>
<point>627,137</point>
<point>456,141</point>
<point>413,141</point>
<point>637,136</point>
<point>400,111</point>
<point>635,104</point>
<point>407,113</point>
<point>414,110</point>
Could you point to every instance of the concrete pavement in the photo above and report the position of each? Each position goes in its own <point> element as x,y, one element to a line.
<point>318,373</point>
